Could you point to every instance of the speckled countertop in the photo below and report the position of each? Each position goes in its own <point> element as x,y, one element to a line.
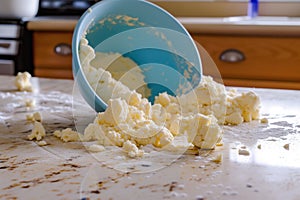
<point>67,171</point>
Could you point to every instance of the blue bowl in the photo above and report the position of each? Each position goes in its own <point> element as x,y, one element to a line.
<point>148,35</point>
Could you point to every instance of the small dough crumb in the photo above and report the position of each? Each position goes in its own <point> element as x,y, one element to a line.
<point>219,144</point>
<point>34,117</point>
<point>29,117</point>
<point>68,135</point>
<point>286,146</point>
<point>42,143</point>
<point>22,82</point>
<point>30,103</point>
<point>218,158</point>
<point>244,152</point>
<point>132,150</point>
<point>38,131</point>
<point>96,148</point>
<point>264,120</point>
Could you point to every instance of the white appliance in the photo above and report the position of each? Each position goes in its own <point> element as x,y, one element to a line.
<point>14,41</point>
<point>18,8</point>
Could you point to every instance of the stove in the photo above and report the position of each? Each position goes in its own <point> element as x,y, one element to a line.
<point>64,7</point>
<point>15,47</point>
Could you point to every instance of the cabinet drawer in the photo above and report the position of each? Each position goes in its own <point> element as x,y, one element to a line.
<point>52,50</point>
<point>53,73</point>
<point>265,58</point>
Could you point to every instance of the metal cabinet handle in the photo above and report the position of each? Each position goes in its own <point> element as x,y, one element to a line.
<point>5,45</point>
<point>232,56</point>
<point>63,49</point>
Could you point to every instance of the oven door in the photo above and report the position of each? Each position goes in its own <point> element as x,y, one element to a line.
<point>8,53</point>
<point>9,47</point>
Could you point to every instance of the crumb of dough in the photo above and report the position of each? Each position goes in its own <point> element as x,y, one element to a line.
<point>34,117</point>
<point>30,103</point>
<point>96,148</point>
<point>264,120</point>
<point>30,117</point>
<point>219,144</point>
<point>22,82</point>
<point>68,135</point>
<point>286,146</point>
<point>218,158</point>
<point>38,132</point>
<point>42,143</point>
<point>244,152</point>
<point>132,150</point>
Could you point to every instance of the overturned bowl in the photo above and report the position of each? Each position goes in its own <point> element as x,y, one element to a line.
<point>145,33</point>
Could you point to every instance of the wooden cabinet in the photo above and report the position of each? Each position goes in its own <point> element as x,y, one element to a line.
<point>52,54</point>
<point>266,61</point>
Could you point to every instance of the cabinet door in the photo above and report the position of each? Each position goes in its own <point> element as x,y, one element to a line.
<point>266,61</point>
<point>52,54</point>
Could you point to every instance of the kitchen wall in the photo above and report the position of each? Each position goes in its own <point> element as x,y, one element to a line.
<point>223,8</point>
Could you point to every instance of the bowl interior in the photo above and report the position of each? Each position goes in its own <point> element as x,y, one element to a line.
<point>146,34</point>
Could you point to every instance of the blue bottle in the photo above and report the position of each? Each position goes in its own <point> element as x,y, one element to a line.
<point>252,8</point>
